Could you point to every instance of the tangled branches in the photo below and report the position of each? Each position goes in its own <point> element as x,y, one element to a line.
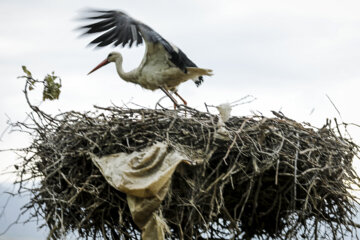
<point>269,177</point>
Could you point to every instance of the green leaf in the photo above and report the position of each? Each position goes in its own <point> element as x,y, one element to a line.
<point>26,71</point>
<point>51,87</point>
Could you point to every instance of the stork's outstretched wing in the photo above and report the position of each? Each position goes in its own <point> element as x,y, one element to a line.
<point>119,28</point>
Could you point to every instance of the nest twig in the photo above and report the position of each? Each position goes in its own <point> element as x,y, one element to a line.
<point>271,177</point>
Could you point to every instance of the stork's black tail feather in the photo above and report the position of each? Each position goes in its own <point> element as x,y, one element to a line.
<point>199,81</point>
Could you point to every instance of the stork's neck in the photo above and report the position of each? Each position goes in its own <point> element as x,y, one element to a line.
<point>127,76</point>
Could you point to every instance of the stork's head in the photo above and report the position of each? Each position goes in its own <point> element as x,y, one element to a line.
<point>112,57</point>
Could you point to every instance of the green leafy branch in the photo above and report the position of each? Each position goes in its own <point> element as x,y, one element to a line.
<point>51,82</point>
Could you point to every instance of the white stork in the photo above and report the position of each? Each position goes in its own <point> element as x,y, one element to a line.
<point>163,66</point>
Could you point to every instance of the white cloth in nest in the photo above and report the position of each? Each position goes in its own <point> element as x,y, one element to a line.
<point>224,115</point>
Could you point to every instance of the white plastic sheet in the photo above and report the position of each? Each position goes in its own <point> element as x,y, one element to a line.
<point>145,177</point>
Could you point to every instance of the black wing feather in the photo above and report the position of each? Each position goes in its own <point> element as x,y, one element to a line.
<point>99,26</point>
<point>118,28</point>
<point>115,24</point>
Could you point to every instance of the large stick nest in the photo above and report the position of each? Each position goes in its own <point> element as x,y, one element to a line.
<point>272,177</point>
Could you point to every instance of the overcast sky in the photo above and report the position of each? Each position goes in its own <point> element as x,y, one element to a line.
<point>287,54</point>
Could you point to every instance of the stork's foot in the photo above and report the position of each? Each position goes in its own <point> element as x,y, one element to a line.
<point>176,105</point>
<point>183,100</point>
<point>170,96</point>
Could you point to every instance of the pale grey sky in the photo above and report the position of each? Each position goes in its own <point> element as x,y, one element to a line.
<point>288,54</point>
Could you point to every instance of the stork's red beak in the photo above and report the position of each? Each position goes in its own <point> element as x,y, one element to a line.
<point>103,63</point>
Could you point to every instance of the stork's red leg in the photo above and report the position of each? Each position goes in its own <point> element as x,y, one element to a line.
<point>170,96</point>
<point>185,103</point>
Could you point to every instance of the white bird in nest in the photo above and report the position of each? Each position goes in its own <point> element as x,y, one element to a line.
<point>164,66</point>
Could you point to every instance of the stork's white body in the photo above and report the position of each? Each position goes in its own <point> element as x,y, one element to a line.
<point>156,70</point>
